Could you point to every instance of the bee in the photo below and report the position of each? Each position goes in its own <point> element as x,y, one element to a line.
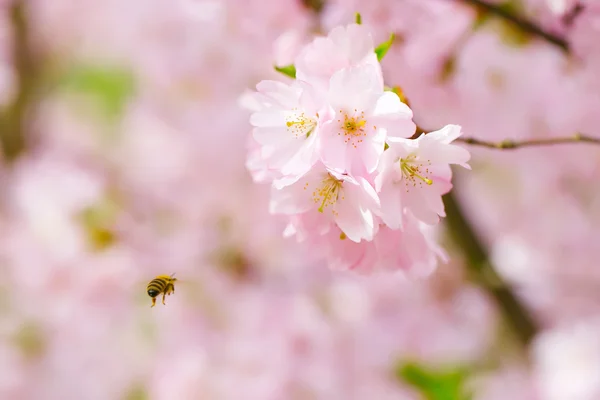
<point>161,284</point>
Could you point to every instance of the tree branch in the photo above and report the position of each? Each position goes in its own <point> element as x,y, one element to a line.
<point>483,273</point>
<point>509,144</point>
<point>520,22</point>
<point>13,117</point>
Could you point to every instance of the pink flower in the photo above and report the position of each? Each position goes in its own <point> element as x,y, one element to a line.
<point>286,126</point>
<point>344,47</point>
<point>364,116</point>
<point>410,250</point>
<point>288,45</point>
<point>258,166</point>
<point>414,174</point>
<point>348,202</point>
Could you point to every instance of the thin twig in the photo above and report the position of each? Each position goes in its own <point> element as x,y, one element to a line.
<point>521,23</point>
<point>509,144</point>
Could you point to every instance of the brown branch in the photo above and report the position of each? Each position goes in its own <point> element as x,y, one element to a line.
<point>509,144</point>
<point>13,117</point>
<point>520,22</point>
<point>480,268</point>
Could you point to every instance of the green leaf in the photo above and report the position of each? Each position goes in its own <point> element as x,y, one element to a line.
<point>386,146</point>
<point>383,48</point>
<point>434,384</point>
<point>110,87</point>
<point>358,19</point>
<point>289,70</point>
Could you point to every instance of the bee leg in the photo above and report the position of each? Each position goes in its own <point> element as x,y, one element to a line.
<point>153,302</point>
<point>163,301</point>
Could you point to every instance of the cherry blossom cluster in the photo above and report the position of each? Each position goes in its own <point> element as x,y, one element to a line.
<point>337,148</point>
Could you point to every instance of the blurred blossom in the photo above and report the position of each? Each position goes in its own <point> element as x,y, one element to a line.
<point>568,362</point>
<point>140,162</point>
<point>509,381</point>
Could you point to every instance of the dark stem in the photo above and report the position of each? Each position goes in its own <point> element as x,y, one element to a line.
<point>479,266</point>
<point>13,117</point>
<point>509,144</point>
<point>521,23</point>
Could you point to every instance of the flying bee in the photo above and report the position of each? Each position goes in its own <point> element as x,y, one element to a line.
<point>161,284</point>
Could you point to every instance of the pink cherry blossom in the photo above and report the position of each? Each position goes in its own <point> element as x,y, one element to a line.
<point>288,46</point>
<point>411,251</point>
<point>349,202</point>
<point>345,46</point>
<point>416,173</point>
<point>287,126</point>
<point>365,115</point>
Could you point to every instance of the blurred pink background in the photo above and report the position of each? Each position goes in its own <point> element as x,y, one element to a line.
<point>124,150</point>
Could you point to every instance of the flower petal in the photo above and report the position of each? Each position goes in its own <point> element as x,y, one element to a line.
<point>332,148</point>
<point>355,88</point>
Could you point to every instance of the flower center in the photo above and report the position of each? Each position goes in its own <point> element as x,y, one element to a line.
<point>415,172</point>
<point>300,125</point>
<point>353,127</point>
<point>327,193</point>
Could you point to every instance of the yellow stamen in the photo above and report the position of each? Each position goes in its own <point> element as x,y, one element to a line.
<point>328,193</point>
<point>300,125</point>
<point>412,169</point>
<point>352,127</point>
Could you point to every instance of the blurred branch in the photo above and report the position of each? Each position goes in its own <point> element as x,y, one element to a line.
<point>509,144</point>
<point>569,18</point>
<point>520,22</point>
<point>479,266</point>
<point>315,5</point>
<point>13,117</point>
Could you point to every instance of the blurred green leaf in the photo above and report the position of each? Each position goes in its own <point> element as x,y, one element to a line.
<point>110,87</point>
<point>433,384</point>
<point>383,48</point>
<point>138,392</point>
<point>289,70</point>
<point>358,18</point>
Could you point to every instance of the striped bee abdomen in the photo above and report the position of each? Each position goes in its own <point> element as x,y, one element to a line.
<point>156,286</point>
<point>161,284</point>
